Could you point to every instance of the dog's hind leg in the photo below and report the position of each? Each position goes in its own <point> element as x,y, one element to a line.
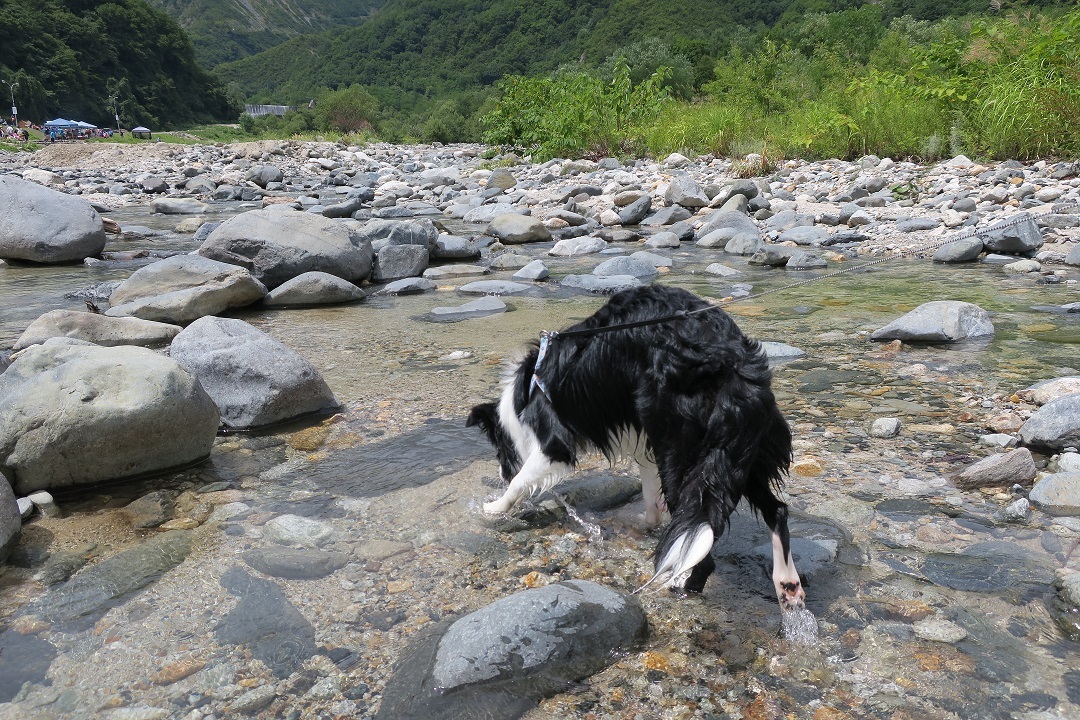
<point>650,491</point>
<point>785,577</point>
<point>538,473</point>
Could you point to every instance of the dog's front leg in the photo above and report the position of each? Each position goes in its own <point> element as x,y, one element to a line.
<point>537,474</point>
<point>789,590</point>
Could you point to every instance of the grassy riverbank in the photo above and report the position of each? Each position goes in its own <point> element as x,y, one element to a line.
<point>997,88</point>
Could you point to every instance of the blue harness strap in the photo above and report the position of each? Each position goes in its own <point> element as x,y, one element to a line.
<point>545,340</point>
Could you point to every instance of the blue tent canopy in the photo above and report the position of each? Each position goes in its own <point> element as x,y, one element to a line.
<point>61,123</point>
<point>85,125</point>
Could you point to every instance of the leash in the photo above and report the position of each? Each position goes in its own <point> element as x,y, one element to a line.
<point>549,336</point>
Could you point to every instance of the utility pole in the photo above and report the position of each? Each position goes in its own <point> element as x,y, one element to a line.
<point>112,99</point>
<point>14,110</point>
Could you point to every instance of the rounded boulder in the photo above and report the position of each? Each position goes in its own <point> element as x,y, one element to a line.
<point>42,225</point>
<point>82,414</point>
<point>254,379</point>
<point>280,245</point>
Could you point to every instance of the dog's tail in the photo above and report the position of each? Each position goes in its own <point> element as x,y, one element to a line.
<point>679,551</point>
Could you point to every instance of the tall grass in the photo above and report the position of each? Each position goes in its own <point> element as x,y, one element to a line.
<point>1002,88</point>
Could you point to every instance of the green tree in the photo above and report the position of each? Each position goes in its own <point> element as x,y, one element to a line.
<point>347,110</point>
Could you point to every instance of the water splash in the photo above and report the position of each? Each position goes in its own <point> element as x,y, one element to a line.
<point>799,627</point>
<point>592,531</point>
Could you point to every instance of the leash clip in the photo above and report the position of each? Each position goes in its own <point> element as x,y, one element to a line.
<point>545,340</point>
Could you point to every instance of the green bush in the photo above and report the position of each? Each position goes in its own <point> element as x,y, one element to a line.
<point>575,113</point>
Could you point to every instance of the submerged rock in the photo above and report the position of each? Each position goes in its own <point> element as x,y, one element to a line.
<point>98,586</point>
<point>499,661</point>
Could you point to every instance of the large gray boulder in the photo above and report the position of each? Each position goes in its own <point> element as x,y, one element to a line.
<point>1022,238</point>
<point>684,190</point>
<point>1056,425</point>
<point>183,288</point>
<point>98,329</point>
<point>178,206</point>
<point>313,288</point>
<point>254,379</point>
<point>384,233</point>
<point>938,321</point>
<point>723,225</point>
<point>515,229</point>
<point>278,245</point>
<point>79,414</point>
<point>395,262</point>
<point>42,225</point>
<point>10,520</point>
<point>511,654</point>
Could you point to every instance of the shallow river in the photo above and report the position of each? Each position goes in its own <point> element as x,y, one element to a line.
<point>891,553</point>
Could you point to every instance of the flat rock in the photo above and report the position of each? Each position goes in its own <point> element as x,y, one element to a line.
<point>42,225</point>
<point>80,414</point>
<point>295,563</point>
<point>253,379</point>
<point>278,245</point>
<point>178,206</point>
<point>98,329</point>
<point>626,266</point>
<point>1004,469</point>
<point>183,288</point>
<point>570,247</point>
<point>1043,392</point>
<point>781,351</point>
<point>604,285</point>
<point>1057,494</point>
<point>493,287</point>
<point>408,286</point>
<point>938,321</point>
<point>1056,425</point>
<point>313,288</point>
<point>721,270</point>
<point>481,307</point>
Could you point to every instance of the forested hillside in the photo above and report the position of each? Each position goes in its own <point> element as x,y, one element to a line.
<point>69,57</point>
<point>224,30</point>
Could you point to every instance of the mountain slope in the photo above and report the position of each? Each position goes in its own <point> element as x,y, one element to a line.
<point>224,30</point>
<point>442,46</point>
<point>69,57</point>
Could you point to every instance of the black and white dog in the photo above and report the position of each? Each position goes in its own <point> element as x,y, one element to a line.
<point>661,376</point>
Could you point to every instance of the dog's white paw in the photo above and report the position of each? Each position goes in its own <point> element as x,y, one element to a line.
<point>495,507</point>
<point>791,595</point>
